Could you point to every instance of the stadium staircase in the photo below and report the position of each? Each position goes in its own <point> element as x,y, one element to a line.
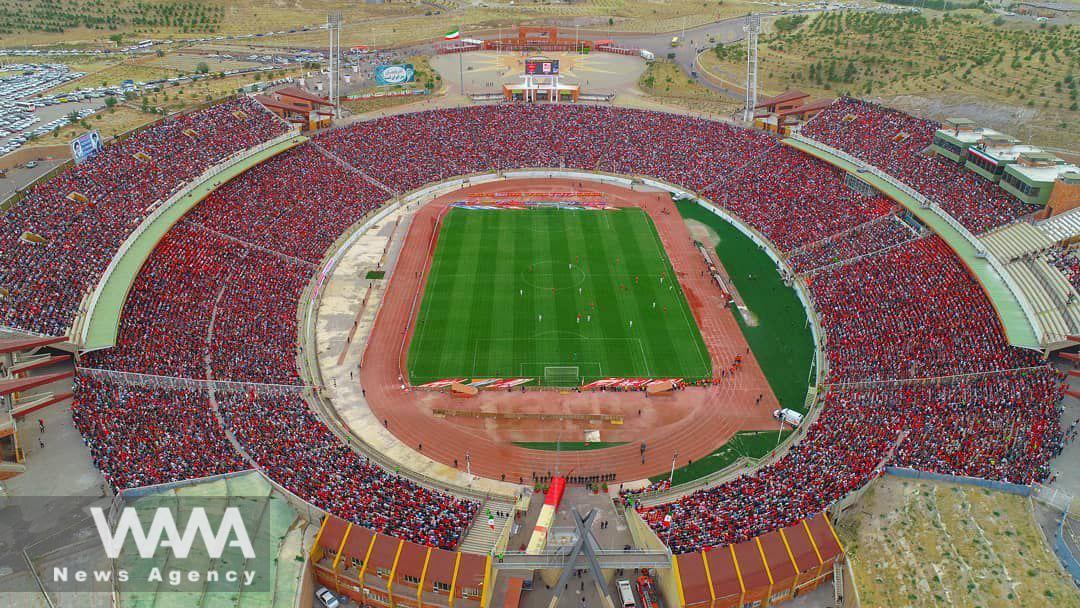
<point>1062,226</point>
<point>838,582</point>
<point>1022,249</point>
<point>481,538</point>
<point>1015,241</point>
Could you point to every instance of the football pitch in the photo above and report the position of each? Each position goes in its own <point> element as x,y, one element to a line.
<point>563,296</point>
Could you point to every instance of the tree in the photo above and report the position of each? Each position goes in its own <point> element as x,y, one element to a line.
<point>202,68</point>
<point>110,102</point>
<point>117,38</point>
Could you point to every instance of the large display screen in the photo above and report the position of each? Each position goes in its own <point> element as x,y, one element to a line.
<point>542,67</point>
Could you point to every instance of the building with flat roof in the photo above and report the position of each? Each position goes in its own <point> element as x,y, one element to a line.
<point>953,140</point>
<point>1031,178</point>
<point>299,107</point>
<point>991,155</point>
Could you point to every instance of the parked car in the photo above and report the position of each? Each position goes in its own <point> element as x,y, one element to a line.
<point>327,598</point>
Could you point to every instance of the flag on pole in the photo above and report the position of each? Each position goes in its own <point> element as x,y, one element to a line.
<point>453,34</point>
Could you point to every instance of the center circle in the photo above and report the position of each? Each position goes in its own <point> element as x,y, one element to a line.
<point>553,275</point>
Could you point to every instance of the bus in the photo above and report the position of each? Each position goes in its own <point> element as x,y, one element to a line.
<point>675,41</point>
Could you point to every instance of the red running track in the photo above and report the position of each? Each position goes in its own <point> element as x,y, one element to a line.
<point>692,422</point>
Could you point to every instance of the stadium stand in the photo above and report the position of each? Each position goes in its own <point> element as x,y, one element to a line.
<point>44,277</point>
<point>913,311</point>
<point>893,142</point>
<point>296,449</point>
<point>140,435</point>
<point>1068,263</point>
<point>1000,427</point>
<point>1041,270</point>
<point>793,199</point>
<point>260,235</point>
<point>899,313</point>
<point>865,239</point>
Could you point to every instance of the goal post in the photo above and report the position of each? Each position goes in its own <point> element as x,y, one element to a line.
<point>561,375</point>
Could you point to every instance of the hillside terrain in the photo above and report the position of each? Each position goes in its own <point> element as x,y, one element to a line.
<point>95,21</point>
<point>995,70</point>
<point>936,544</point>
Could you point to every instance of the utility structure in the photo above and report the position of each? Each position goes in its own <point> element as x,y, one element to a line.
<point>333,25</point>
<point>752,29</point>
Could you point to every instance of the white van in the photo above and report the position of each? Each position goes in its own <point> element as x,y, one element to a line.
<point>627,594</point>
<point>789,416</point>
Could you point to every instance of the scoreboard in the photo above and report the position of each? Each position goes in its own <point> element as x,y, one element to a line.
<point>542,67</point>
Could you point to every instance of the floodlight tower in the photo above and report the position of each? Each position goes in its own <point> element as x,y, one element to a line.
<point>752,29</point>
<point>333,25</point>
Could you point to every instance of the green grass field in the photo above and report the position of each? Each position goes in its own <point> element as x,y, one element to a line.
<point>753,444</point>
<point>781,341</point>
<point>507,288</point>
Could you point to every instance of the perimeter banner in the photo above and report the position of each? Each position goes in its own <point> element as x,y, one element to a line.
<point>396,73</point>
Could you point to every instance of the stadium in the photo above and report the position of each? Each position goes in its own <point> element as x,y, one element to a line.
<point>459,342</point>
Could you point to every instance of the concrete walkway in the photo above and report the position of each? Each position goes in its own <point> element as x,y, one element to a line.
<point>346,314</point>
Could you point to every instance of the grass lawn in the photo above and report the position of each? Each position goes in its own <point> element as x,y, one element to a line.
<point>512,292</point>
<point>667,82</point>
<point>568,446</point>
<point>754,444</point>
<point>781,341</point>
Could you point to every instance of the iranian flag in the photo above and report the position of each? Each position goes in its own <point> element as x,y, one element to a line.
<point>453,34</point>
<point>491,519</point>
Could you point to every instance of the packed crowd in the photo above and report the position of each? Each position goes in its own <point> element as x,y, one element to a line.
<point>1003,427</point>
<point>298,451</point>
<point>241,257</point>
<point>865,239</point>
<point>409,150</point>
<point>254,334</point>
<point>140,436</point>
<point>795,199</point>
<point>166,318</point>
<point>45,281</point>
<point>222,290</point>
<point>296,204</point>
<point>894,142</point>
<point>1068,262</point>
<point>912,311</point>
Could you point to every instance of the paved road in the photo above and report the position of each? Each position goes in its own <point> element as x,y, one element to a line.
<point>694,40</point>
<point>19,177</point>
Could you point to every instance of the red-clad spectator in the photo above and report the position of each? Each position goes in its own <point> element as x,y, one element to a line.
<point>141,436</point>
<point>895,143</point>
<point>45,281</point>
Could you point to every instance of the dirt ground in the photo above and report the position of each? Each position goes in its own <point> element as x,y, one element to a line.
<point>915,544</point>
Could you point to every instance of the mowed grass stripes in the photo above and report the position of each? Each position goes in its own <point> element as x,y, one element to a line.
<point>507,287</point>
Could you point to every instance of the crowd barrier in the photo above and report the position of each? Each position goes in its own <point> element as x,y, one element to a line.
<point>1061,548</point>
<point>1000,486</point>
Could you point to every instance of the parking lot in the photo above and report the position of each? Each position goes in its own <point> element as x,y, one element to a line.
<point>25,113</point>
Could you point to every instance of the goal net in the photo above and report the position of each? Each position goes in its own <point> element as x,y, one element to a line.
<point>562,376</point>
